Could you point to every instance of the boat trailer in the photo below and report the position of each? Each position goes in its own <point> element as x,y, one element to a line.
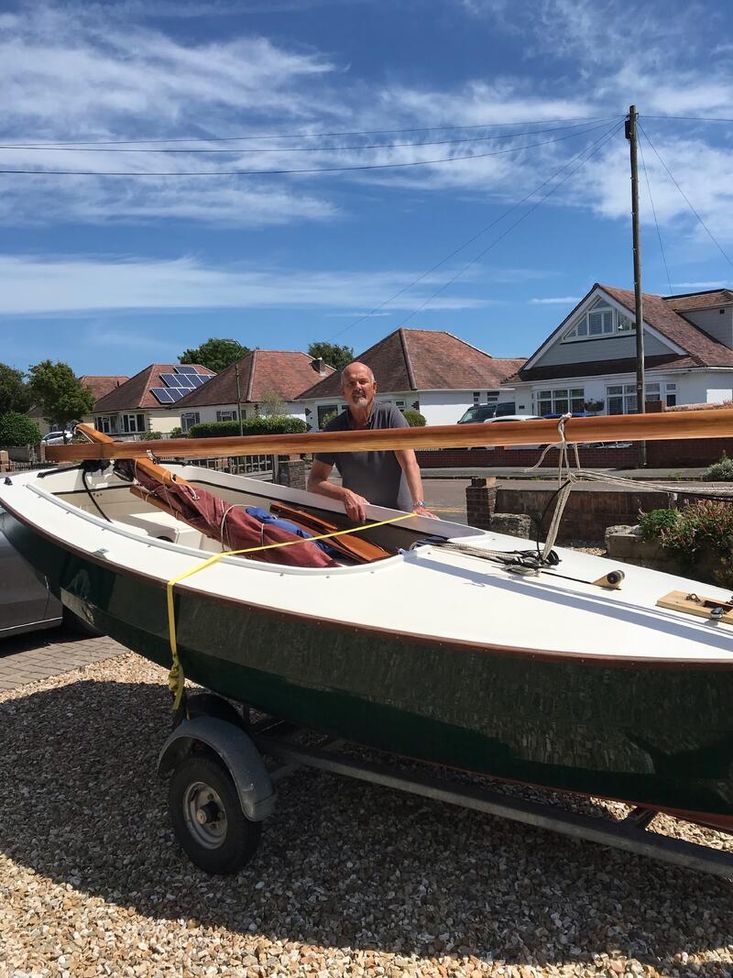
<point>221,790</point>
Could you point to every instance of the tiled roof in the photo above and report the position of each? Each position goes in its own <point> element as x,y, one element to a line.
<point>700,300</point>
<point>262,373</point>
<point>659,313</point>
<point>664,314</point>
<point>135,394</point>
<point>99,386</point>
<point>425,359</point>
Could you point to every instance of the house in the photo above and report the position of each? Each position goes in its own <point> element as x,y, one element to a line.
<point>102,385</point>
<point>589,361</point>
<point>430,371</point>
<point>149,401</point>
<point>263,382</point>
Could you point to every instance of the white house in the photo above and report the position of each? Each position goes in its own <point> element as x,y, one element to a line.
<point>149,401</point>
<point>590,359</point>
<point>255,384</point>
<point>430,371</point>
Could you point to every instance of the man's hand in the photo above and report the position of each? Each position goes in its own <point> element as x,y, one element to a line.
<point>421,511</point>
<point>355,505</point>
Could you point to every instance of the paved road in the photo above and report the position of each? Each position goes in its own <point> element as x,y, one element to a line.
<point>38,655</point>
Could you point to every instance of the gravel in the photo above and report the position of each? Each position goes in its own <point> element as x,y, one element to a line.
<point>349,880</point>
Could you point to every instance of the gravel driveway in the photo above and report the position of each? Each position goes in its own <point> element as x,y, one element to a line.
<point>350,879</point>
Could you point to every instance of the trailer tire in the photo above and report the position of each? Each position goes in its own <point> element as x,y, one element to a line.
<point>207,816</point>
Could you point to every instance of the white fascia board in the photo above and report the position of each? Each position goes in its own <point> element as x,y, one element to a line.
<point>556,335</point>
<point>624,310</point>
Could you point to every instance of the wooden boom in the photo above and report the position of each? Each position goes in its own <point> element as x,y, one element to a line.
<point>707,423</point>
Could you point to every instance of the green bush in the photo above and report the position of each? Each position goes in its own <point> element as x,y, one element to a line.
<point>653,523</point>
<point>150,435</point>
<point>276,425</point>
<point>700,528</point>
<point>17,430</point>
<point>721,471</point>
<point>414,418</point>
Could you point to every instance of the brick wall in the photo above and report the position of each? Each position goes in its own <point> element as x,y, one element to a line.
<point>588,511</point>
<point>660,454</point>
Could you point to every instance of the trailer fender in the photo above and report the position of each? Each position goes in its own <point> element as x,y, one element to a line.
<point>237,752</point>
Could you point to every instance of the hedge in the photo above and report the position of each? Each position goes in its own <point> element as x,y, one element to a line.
<point>18,430</point>
<point>275,425</point>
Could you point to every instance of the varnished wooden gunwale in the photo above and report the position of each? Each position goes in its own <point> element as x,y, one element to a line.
<point>712,423</point>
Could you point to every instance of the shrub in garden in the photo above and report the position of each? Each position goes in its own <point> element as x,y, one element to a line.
<point>414,418</point>
<point>699,528</point>
<point>721,471</point>
<point>275,425</point>
<point>18,430</point>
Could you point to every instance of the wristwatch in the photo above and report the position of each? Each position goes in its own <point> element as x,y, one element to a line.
<point>419,504</point>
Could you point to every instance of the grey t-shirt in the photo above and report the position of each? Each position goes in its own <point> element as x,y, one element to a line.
<point>377,476</point>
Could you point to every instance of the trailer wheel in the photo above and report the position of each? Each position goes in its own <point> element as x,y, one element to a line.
<point>207,817</point>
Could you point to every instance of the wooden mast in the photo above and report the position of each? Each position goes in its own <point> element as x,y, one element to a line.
<point>707,423</point>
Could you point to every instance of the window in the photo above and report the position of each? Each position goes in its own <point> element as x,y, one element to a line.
<point>400,405</point>
<point>621,399</point>
<point>654,393</point>
<point>476,397</point>
<point>598,322</point>
<point>226,415</point>
<point>133,423</point>
<point>188,419</point>
<point>325,413</point>
<point>560,401</point>
<point>106,423</point>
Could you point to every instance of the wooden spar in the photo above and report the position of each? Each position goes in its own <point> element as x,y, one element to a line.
<point>707,423</point>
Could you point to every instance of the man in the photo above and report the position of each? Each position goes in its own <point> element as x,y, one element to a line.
<point>383,478</point>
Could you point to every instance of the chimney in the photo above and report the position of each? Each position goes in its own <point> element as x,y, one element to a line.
<point>317,364</point>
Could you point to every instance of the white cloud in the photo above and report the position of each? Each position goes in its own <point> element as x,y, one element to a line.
<point>38,286</point>
<point>561,300</point>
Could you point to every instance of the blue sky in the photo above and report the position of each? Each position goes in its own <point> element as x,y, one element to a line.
<point>110,273</point>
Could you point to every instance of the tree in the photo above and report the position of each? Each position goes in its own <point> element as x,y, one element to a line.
<point>58,392</point>
<point>14,393</point>
<point>17,430</point>
<point>334,355</point>
<point>272,405</point>
<point>216,354</point>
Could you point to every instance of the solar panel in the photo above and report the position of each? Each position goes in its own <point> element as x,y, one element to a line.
<point>171,380</point>
<point>186,368</point>
<point>162,395</point>
<point>177,393</point>
<point>186,381</point>
<point>197,379</point>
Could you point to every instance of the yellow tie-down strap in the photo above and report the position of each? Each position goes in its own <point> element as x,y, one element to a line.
<point>176,678</point>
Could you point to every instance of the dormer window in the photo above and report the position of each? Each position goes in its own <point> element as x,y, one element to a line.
<point>599,321</point>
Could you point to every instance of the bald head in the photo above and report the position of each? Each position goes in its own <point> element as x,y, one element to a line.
<point>358,388</point>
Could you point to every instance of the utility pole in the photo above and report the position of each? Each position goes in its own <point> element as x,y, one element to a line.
<point>239,400</point>
<point>630,132</point>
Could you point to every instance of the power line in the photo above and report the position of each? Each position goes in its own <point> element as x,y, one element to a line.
<point>581,120</point>
<point>64,148</point>
<point>687,200</point>
<point>593,150</point>
<point>470,241</point>
<point>654,212</point>
<point>294,170</point>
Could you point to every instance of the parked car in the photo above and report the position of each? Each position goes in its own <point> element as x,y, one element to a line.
<point>486,412</point>
<point>515,417</point>
<point>26,604</point>
<point>57,438</point>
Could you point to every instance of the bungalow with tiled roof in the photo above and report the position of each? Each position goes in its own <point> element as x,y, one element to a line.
<point>590,359</point>
<point>263,381</point>
<point>101,385</point>
<point>149,401</point>
<point>430,371</point>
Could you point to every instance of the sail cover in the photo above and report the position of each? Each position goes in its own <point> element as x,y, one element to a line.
<point>230,524</point>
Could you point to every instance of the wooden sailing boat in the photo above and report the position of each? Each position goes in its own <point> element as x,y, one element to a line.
<point>452,647</point>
